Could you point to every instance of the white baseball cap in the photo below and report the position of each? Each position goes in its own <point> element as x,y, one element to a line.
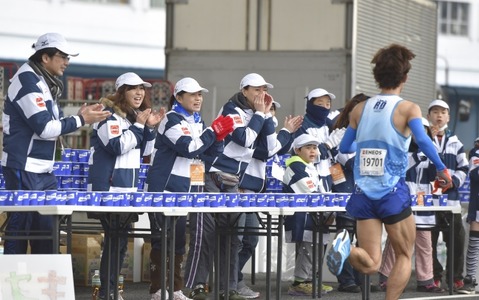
<point>54,40</point>
<point>188,85</point>
<point>305,139</point>
<point>319,93</point>
<point>254,79</point>
<point>439,103</point>
<point>276,104</point>
<point>130,78</point>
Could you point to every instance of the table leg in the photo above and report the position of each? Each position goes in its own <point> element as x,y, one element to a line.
<point>315,259</point>
<point>319,289</point>
<point>56,234</point>
<point>217,259</point>
<point>268,256</point>
<point>280,257</point>
<point>172,254</point>
<point>450,254</point>
<point>164,255</point>
<point>366,287</point>
<point>107,247</point>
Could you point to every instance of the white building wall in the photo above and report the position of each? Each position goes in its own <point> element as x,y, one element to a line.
<point>458,56</point>
<point>130,35</point>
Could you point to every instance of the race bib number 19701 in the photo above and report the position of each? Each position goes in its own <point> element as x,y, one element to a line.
<point>371,161</point>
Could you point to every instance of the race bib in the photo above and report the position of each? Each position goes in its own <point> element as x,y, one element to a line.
<point>371,162</point>
<point>337,174</point>
<point>197,173</point>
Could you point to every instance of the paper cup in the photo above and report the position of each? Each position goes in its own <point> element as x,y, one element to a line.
<point>281,200</point>
<point>5,198</point>
<point>199,200</point>
<point>50,197</point>
<point>157,200</point>
<point>244,200</point>
<point>169,199</point>
<point>261,200</point>
<point>329,200</point>
<point>413,200</point>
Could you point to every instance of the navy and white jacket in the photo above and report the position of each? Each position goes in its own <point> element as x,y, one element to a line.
<point>300,178</point>
<point>452,154</point>
<point>241,143</point>
<point>421,172</point>
<point>31,123</point>
<point>324,159</point>
<point>117,146</point>
<point>180,140</point>
<point>254,177</point>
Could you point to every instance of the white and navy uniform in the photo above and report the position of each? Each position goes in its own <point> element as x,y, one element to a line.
<point>323,162</point>
<point>180,140</point>
<point>31,125</point>
<point>254,177</point>
<point>117,145</point>
<point>241,143</point>
<point>419,176</point>
<point>451,151</point>
<point>301,177</point>
<point>238,152</point>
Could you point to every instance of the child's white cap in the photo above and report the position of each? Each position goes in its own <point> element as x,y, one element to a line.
<point>305,139</point>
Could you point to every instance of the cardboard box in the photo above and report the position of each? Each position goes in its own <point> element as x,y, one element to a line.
<point>145,262</point>
<point>86,253</point>
<point>86,257</point>
<point>3,217</point>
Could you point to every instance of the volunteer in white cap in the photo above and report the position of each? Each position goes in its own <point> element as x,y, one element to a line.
<point>451,150</point>
<point>117,147</point>
<point>31,127</point>
<point>250,110</point>
<point>178,167</point>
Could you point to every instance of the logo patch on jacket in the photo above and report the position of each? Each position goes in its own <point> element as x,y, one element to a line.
<point>115,129</point>
<point>40,102</point>
<point>238,120</point>
<point>186,130</point>
<point>310,184</point>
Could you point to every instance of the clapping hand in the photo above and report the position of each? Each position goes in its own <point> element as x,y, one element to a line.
<point>155,117</point>
<point>93,113</point>
<point>142,116</point>
<point>293,123</point>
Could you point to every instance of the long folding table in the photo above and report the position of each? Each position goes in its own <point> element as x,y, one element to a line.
<point>62,211</point>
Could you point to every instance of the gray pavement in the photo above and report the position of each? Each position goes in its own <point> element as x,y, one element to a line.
<point>139,291</point>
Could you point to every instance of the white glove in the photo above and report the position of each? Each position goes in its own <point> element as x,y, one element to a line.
<point>335,137</point>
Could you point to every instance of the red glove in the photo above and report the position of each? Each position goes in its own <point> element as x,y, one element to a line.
<point>443,181</point>
<point>222,126</point>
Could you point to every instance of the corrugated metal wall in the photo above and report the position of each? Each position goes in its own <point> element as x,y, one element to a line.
<point>411,23</point>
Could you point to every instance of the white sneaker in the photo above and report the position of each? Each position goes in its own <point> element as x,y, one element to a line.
<point>178,295</point>
<point>157,295</point>
<point>245,292</point>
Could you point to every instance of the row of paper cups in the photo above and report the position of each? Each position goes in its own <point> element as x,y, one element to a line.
<point>429,200</point>
<point>73,197</point>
